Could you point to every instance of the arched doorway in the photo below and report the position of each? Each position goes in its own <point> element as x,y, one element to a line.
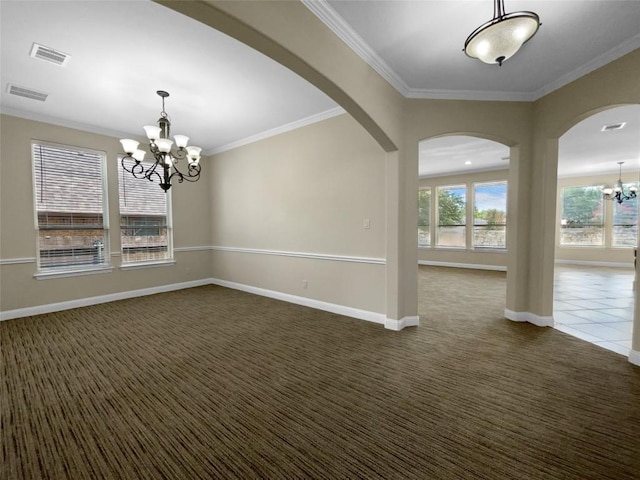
<point>462,216</point>
<point>597,236</point>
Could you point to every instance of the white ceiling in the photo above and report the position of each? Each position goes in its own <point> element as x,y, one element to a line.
<point>221,91</point>
<point>224,94</point>
<point>422,41</point>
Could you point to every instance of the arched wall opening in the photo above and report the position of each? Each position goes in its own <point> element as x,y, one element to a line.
<point>463,206</point>
<point>291,35</point>
<point>466,176</point>
<point>596,236</point>
<point>552,116</point>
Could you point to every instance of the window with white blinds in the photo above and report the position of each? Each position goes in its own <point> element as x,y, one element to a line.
<point>145,226</point>
<point>71,207</point>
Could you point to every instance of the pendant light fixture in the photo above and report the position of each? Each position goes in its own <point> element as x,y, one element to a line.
<point>500,38</point>
<point>617,192</point>
<point>165,166</point>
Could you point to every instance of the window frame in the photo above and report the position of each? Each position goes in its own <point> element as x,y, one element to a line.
<point>170,259</point>
<point>473,209</point>
<point>427,226</point>
<point>614,224</point>
<point>85,268</point>
<point>458,186</point>
<point>602,225</point>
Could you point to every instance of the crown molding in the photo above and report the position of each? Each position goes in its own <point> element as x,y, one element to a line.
<point>37,117</point>
<point>338,25</point>
<point>333,20</point>
<point>600,61</point>
<point>490,96</point>
<point>334,112</point>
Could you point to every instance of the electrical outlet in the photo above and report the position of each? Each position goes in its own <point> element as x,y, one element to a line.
<point>305,284</point>
<point>366,223</point>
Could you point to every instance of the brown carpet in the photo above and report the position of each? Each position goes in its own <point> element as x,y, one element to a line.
<point>214,383</point>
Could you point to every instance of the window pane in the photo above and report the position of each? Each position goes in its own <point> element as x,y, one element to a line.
<point>69,193</point>
<point>489,215</point>
<point>452,206</point>
<point>582,216</point>
<point>625,221</point>
<point>144,230</point>
<point>424,213</point>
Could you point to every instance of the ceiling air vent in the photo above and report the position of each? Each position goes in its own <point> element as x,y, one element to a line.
<point>49,54</point>
<point>27,93</point>
<point>613,126</point>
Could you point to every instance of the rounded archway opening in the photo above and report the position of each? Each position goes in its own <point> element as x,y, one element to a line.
<point>597,234</point>
<point>462,224</point>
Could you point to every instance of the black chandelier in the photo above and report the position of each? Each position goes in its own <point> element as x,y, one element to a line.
<point>617,192</point>
<point>500,38</point>
<point>164,159</point>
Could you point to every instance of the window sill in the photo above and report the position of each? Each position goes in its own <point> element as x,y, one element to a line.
<point>72,273</point>
<point>489,250</point>
<point>135,266</point>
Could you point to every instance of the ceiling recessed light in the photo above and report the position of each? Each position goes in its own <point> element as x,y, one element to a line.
<point>613,126</point>
<point>468,162</point>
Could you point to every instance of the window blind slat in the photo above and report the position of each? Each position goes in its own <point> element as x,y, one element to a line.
<point>144,229</point>
<point>69,207</point>
<point>67,180</point>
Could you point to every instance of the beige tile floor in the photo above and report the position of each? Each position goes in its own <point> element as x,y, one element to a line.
<point>595,304</point>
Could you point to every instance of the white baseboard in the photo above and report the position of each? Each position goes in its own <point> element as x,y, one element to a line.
<point>304,301</point>
<point>112,297</point>
<point>473,266</point>
<point>397,325</point>
<point>634,357</point>
<point>587,263</point>
<point>307,302</point>
<point>529,317</point>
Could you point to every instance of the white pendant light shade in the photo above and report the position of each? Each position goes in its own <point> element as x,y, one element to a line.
<point>164,144</point>
<point>129,146</point>
<point>193,151</point>
<point>499,39</point>
<point>139,155</point>
<point>181,140</point>
<point>153,132</point>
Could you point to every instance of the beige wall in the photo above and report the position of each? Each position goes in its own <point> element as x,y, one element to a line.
<point>19,288</point>
<point>509,123</point>
<point>306,193</point>
<point>293,36</point>
<point>612,85</point>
